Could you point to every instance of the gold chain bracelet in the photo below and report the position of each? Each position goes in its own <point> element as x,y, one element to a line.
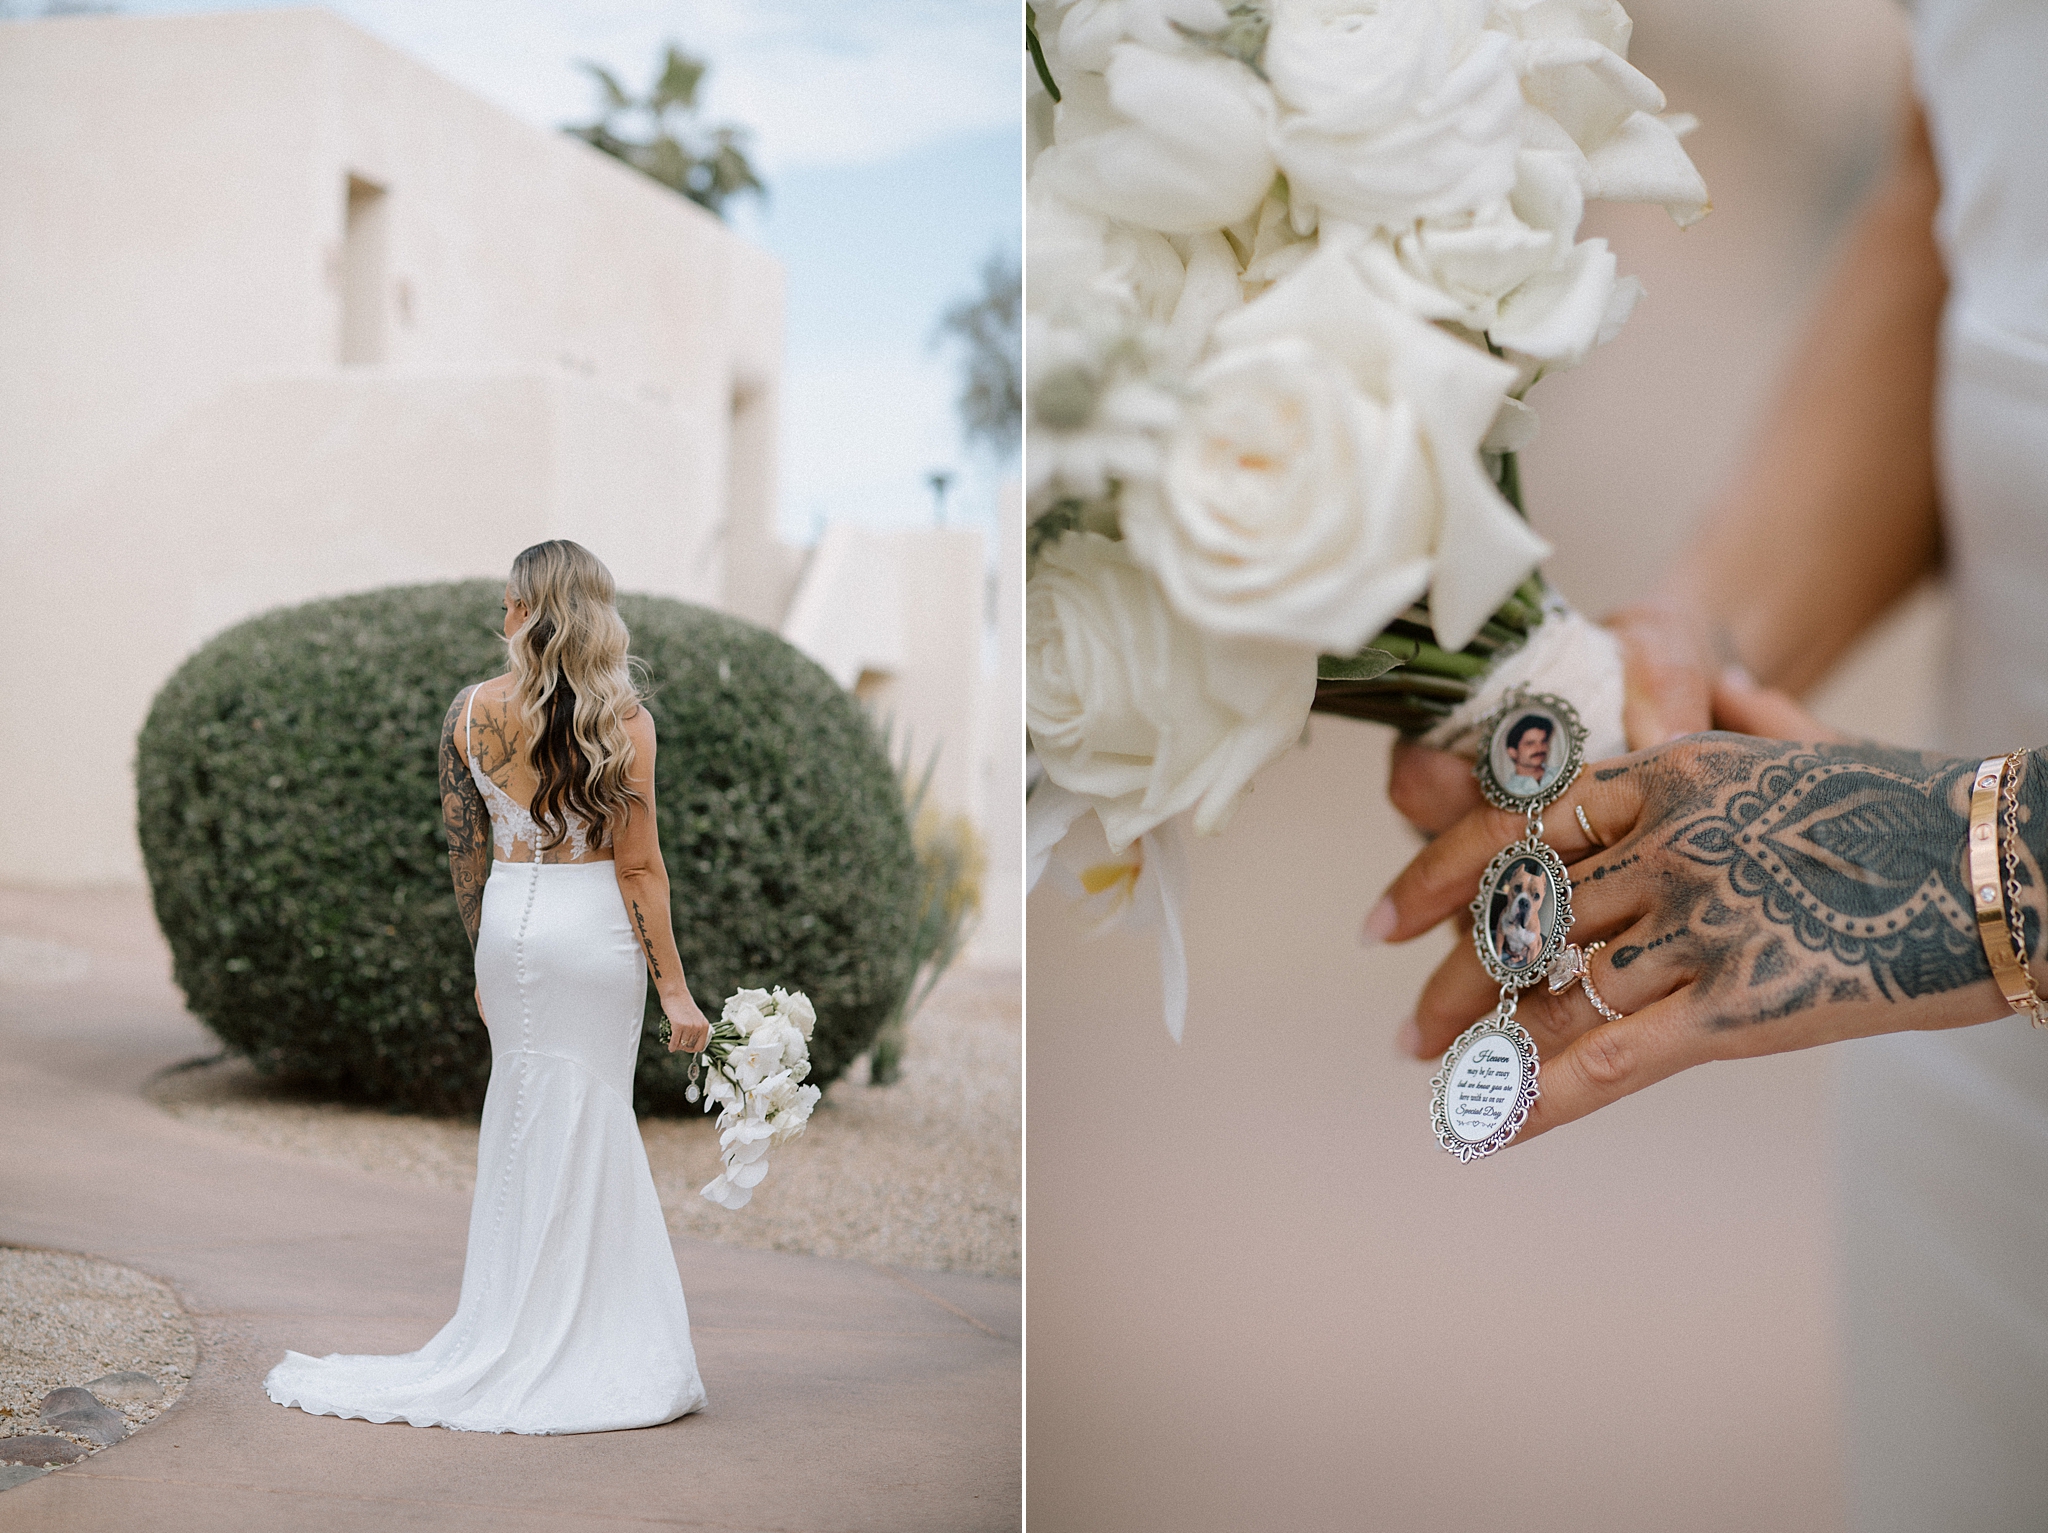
<point>1996,789</point>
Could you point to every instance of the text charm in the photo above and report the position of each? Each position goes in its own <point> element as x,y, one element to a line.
<point>1531,748</point>
<point>1482,1095</point>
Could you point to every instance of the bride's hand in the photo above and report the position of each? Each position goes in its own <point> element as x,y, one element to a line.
<point>1755,895</point>
<point>1671,690</point>
<point>688,1032</point>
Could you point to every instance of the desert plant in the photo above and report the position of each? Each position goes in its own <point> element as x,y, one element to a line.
<point>290,821</point>
<point>951,859</point>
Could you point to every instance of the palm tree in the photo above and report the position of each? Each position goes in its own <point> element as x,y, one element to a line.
<point>707,163</point>
<point>988,326</point>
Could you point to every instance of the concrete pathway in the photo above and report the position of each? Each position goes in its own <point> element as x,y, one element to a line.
<point>843,1396</point>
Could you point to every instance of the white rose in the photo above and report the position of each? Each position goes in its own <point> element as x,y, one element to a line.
<point>1483,550</point>
<point>1130,703</point>
<point>790,1120</point>
<point>801,1012</point>
<point>1389,113</point>
<point>1080,259</point>
<point>741,1000</point>
<point>1292,506</point>
<point>1164,142</point>
<point>1089,29</point>
<point>1573,56</point>
<point>1514,272</point>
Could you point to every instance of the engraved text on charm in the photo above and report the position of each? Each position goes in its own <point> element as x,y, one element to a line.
<point>1483,1093</point>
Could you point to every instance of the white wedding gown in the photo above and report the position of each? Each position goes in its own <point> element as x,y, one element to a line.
<point>572,1316</point>
<point>1945,1157</point>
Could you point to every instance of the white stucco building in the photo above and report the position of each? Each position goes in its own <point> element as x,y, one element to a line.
<point>288,315</point>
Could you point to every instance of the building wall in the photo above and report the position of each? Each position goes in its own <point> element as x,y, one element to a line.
<point>289,315</point>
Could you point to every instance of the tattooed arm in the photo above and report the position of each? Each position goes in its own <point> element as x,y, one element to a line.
<point>1756,896</point>
<point>643,885</point>
<point>466,820</point>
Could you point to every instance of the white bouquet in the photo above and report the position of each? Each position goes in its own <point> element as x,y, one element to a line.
<point>753,1071</point>
<point>1293,267</point>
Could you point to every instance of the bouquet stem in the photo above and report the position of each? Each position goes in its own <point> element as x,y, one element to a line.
<point>1535,642</point>
<point>1406,679</point>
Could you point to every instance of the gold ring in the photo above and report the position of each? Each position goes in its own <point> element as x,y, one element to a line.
<point>1587,826</point>
<point>1586,984</point>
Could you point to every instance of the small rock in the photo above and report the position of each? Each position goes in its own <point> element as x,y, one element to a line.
<point>70,1398</point>
<point>39,1452</point>
<point>127,1389</point>
<point>96,1425</point>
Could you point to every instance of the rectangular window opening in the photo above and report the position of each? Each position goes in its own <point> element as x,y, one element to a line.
<point>365,283</point>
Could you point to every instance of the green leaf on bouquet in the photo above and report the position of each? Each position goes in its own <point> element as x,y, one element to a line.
<point>1363,666</point>
<point>1038,53</point>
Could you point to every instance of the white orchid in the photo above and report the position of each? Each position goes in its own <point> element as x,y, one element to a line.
<point>754,1078</point>
<point>1144,887</point>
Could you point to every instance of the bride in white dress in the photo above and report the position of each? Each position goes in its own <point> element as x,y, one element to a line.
<point>572,1316</point>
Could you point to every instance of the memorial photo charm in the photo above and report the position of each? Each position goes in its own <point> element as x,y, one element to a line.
<point>1521,915</point>
<point>1530,749</point>
<point>1487,1085</point>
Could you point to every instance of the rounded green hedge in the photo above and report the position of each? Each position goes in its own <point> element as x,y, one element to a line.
<point>290,819</point>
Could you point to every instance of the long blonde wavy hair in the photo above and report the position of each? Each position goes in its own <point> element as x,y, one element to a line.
<point>573,688</point>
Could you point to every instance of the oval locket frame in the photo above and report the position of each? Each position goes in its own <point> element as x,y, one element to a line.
<point>1526,1091</point>
<point>1567,717</point>
<point>1551,934</point>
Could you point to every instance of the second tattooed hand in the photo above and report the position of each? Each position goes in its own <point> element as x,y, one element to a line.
<point>1755,895</point>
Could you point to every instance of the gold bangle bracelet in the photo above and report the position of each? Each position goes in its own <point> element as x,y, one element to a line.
<point>1988,893</point>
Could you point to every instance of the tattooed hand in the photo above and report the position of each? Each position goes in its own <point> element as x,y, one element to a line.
<point>1755,895</point>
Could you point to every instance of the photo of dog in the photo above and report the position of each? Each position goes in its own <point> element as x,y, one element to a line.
<point>1521,908</point>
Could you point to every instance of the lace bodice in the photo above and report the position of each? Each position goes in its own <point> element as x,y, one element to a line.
<point>512,823</point>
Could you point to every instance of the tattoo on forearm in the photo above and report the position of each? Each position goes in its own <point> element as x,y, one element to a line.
<point>1826,872</point>
<point>468,824</point>
<point>647,942</point>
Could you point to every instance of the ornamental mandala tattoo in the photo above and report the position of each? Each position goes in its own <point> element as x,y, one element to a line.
<point>1839,852</point>
<point>1803,874</point>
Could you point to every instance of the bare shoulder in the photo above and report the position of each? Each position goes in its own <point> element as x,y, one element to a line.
<point>640,727</point>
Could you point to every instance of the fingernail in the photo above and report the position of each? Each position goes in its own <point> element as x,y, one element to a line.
<point>1380,924</point>
<point>1408,1041</point>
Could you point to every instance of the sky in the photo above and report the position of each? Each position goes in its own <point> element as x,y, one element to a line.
<point>888,134</point>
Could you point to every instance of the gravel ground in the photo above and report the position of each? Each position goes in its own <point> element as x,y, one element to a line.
<point>925,1173</point>
<point>66,1320</point>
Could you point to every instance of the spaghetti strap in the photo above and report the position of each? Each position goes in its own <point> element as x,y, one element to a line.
<point>467,708</point>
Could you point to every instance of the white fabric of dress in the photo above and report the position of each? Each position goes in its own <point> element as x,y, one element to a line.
<point>572,1316</point>
<point>1945,1155</point>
